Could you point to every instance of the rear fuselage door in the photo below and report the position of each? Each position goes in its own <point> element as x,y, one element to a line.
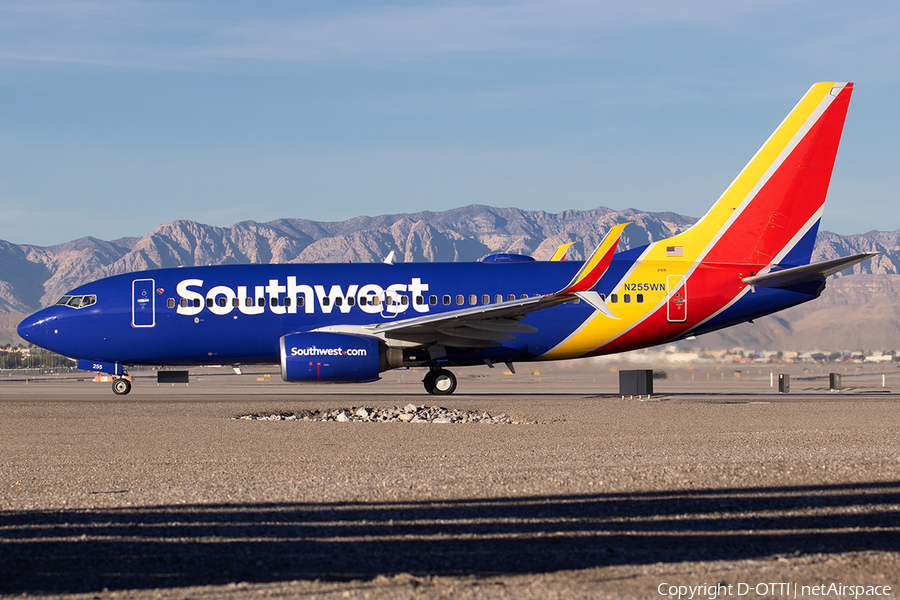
<point>676,303</point>
<point>143,303</point>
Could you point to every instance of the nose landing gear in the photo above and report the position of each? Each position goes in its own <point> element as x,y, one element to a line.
<point>440,382</point>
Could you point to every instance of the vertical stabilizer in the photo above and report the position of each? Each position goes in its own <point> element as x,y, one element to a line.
<point>768,217</point>
<point>775,203</point>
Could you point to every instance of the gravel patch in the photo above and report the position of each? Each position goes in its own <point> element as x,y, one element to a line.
<point>399,414</point>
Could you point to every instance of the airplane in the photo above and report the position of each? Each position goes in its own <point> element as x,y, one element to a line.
<point>749,256</point>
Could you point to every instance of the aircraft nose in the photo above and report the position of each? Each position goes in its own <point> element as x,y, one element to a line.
<point>38,329</point>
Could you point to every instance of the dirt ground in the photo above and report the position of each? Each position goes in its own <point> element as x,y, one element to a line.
<point>715,481</point>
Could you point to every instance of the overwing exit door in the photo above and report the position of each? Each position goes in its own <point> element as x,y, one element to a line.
<point>143,303</point>
<point>676,303</point>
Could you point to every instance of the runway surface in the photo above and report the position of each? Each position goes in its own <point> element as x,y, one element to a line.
<point>716,479</point>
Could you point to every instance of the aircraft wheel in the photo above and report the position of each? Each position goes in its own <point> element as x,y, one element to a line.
<point>440,382</point>
<point>121,387</point>
<point>428,382</point>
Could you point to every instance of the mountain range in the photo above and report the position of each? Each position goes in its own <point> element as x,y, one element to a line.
<point>34,276</point>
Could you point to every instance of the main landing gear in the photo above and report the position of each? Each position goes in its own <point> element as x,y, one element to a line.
<point>121,386</point>
<point>440,382</point>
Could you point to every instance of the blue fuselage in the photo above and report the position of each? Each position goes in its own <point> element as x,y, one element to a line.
<point>237,313</point>
<point>223,329</point>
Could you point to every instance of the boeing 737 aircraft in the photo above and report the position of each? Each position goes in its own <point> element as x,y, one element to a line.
<point>749,256</point>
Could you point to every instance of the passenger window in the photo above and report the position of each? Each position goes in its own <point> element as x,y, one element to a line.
<point>473,299</point>
<point>260,301</point>
<point>248,301</point>
<point>326,301</point>
<point>446,300</point>
<point>273,301</point>
<point>287,300</point>
<point>404,300</point>
<point>376,300</point>
<point>523,296</point>
<point>640,298</point>
<point>196,302</point>
<point>338,301</point>
<point>301,300</point>
<point>184,302</point>
<point>626,298</point>
<point>485,299</point>
<point>235,302</point>
<point>222,301</point>
<point>511,297</point>
<point>460,300</point>
<point>498,298</point>
<point>432,300</point>
<point>351,301</point>
<point>614,298</point>
<point>170,302</point>
<point>420,300</point>
<point>603,297</point>
<point>209,303</point>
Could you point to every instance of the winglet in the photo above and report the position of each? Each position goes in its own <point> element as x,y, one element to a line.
<point>560,254</point>
<point>597,264</point>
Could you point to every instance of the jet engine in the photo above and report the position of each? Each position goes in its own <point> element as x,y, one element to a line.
<point>333,357</point>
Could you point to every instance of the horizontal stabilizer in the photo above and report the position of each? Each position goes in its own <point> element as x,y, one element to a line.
<point>806,273</point>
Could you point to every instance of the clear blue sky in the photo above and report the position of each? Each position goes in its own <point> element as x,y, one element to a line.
<point>118,116</point>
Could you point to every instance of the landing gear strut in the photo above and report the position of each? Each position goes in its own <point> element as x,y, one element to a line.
<point>440,382</point>
<point>121,386</point>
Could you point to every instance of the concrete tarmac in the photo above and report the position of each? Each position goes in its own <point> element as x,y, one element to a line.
<point>714,480</point>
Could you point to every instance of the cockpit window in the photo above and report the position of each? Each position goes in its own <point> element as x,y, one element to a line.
<point>78,301</point>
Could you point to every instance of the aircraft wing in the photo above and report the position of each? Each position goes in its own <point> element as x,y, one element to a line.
<point>474,327</point>
<point>806,273</point>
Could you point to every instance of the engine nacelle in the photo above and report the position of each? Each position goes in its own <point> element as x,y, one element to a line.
<point>322,356</point>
